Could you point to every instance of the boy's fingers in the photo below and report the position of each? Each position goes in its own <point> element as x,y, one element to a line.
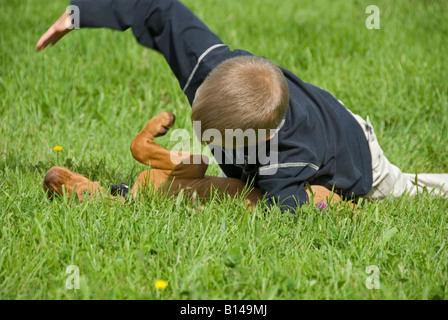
<point>44,40</point>
<point>54,33</point>
<point>51,36</point>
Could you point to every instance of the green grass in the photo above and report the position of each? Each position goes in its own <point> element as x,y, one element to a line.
<point>94,91</point>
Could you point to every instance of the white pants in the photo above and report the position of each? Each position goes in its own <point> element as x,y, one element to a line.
<point>388,180</point>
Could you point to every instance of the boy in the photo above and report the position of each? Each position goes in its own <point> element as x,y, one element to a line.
<point>317,140</point>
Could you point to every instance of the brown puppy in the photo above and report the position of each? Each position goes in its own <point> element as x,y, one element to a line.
<point>168,172</point>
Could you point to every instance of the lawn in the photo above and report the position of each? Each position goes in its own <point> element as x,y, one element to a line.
<point>93,91</point>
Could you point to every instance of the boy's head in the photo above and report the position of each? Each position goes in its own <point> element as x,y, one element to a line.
<point>242,93</point>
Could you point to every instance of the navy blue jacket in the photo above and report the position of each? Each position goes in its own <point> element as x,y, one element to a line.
<point>319,143</point>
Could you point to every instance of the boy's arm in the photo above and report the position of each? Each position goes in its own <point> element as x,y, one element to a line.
<point>285,187</point>
<point>164,25</point>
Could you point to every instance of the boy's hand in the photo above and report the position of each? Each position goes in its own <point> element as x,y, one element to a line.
<point>59,29</point>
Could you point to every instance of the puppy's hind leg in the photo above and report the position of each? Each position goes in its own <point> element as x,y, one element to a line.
<point>145,150</point>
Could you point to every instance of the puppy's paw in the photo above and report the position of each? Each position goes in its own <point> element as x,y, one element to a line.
<point>165,122</point>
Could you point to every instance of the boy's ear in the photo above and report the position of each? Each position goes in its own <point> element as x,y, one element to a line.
<point>269,137</point>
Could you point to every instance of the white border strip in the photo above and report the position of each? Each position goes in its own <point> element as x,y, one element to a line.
<point>290,165</point>
<point>199,61</point>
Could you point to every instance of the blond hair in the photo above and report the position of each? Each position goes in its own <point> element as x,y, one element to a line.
<point>242,93</point>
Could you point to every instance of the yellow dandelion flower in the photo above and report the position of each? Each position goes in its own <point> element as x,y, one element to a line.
<point>161,284</point>
<point>57,148</point>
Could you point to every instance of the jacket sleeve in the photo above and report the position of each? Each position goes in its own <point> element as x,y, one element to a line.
<point>163,25</point>
<point>284,186</point>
